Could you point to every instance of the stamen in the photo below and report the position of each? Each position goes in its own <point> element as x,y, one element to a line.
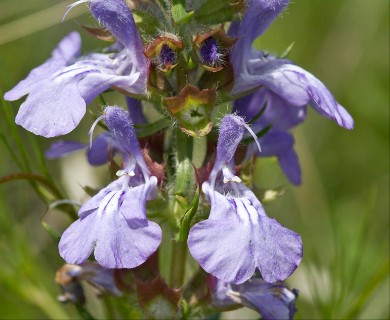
<point>228,176</point>
<point>209,51</point>
<point>235,296</point>
<point>129,166</point>
<point>121,173</point>
<point>90,133</point>
<point>167,55</point>
<point>70,7</point>
<point>252,134</point>
<point>64,201</point>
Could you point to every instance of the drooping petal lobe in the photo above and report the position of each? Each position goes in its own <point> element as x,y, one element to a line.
<point>299,88</point>
<point>119,234</point>
<point>289,162</point>
<point>281,145</point>
<point>135,110</point>
<point>278,113</point>
<point>293,84</point>
<point>63,148</point>
<point>102,150</point>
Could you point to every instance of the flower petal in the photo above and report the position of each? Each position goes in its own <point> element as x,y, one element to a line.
<point>278,113</point>
<point>136,209</point>
<point>66,50</point>
<point>256,20</point>
<point>135,110</point>
<point>223,248</point>
<point>78,241</point>
<point>125,243</point>
<point>289,162</point>
<point>230,134</point>
<point>94,203</point>
<point>101,149</point>
<point>63,148</point>
<point>238,237</point>
<point>121,127</point>
<point>279,252</point>
<point>53,110</point>
<point>116,16</point>
<point>299,88</point>
<point>275,143</point>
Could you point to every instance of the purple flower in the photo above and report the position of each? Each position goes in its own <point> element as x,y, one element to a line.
<point>254,69</point>
<point>273,301</point>
<point>59,90</point>
<point>238,237</point>
<point>281,116</point>
<point>113,223</point>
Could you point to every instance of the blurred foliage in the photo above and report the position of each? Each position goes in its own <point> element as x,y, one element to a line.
<point>341,210</point>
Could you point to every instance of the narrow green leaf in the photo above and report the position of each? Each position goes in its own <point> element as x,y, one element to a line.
<point>187,218</point>
<point>372,284</point>
<point>90,191</point>
<point>286,52</point>
<point>10,150</point>
<point>51,231</point>
<point>9,115</point>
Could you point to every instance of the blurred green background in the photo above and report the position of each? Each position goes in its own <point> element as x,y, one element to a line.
<point>341,210</point>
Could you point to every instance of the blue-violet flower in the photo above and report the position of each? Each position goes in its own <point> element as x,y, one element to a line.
<point>59,90</point>
<point>113,223</point>
<point>238,237</point>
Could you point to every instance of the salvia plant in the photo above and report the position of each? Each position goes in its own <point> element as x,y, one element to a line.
<point>202,105</point>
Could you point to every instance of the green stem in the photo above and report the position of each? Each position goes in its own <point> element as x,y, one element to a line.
<point>178,263</point>
<point>45,182</point>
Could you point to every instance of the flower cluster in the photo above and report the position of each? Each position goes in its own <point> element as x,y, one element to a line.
<point>185,71</point>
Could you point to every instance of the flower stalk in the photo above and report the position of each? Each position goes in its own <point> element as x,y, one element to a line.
<point>175,82</point>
